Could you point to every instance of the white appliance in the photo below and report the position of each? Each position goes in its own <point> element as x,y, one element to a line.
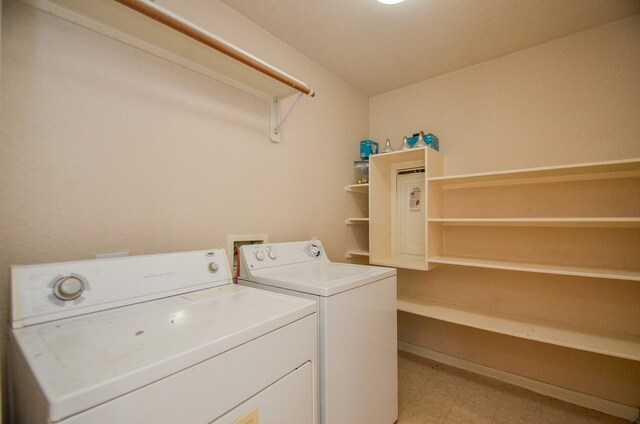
<point>357,325</point>
<point>158,339</point>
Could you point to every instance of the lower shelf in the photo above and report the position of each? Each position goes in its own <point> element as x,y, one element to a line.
<point>356,253</point>
<point>539,268</point>
<point>618,345</point>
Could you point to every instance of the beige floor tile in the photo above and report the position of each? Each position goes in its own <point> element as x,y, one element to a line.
<point>518,408</point>
<point>410,378</point>
<point>437,403</point>
<point>410,365</point>
<point>480,396</point>
<point>414,413</point>
<point>466,414</point>
<point>519,402</point>
<point>432,393</point>
<point>445,382</point>
<point>406,395</point>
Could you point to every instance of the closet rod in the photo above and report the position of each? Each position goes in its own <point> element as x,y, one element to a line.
<point>207,40</point>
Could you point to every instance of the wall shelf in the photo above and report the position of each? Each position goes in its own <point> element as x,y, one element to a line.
<point>609,190</point>
<point>617,222</point>
<point>618,345</point>
<point>356,221</point>
<point>164,34</point>
<point>357,188</point>
<point>539,268</point>
<point>581,171</point>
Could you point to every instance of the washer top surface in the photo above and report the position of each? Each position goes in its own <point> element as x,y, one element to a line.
<point>295,268</point>
<point>83,361</point>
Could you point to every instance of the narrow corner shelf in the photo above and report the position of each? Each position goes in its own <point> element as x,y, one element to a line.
<point>358,188</point>
<point>538,268</point>
<point>356,221</point>
<point>356,253</point>
<point>605,343</point>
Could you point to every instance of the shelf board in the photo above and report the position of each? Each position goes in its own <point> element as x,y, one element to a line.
<point>592,170</point>
<point>358,188</point>
<point>541,222</point>
<point>352,221</point>
<point>119,22</point>
<point>539,268</point>
<point>356,252</point>
<point>417,264</point>
<point>618,345</point>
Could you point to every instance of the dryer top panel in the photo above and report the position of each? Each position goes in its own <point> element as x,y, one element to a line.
<point>84,361</point>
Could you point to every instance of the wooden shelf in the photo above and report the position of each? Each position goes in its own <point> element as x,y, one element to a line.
<point>582,171</point>
<point>618,345</point>
<point>163,33</point>
<point>395,262</point>
<point>356,252</point>
<point>539,268</point>
<point>358,188</point>
<point>118,21</point>
<point>355,221</point>
<point>541,222</point>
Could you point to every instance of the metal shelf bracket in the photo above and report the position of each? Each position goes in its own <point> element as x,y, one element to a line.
<point>275,125</point>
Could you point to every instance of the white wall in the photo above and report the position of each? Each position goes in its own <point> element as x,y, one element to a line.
<point>573,100</point>
<point>106,148</point>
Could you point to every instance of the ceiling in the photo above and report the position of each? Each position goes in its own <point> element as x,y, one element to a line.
<point>378,48</point>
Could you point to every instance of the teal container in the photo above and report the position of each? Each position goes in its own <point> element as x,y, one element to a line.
<point>368,148</point>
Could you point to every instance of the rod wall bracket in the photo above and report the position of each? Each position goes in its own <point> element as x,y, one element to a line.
<point>275,125</point>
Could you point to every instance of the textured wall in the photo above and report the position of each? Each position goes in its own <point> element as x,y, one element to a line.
<point>106,148</point>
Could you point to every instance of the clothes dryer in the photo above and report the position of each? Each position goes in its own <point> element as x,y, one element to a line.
<point>158,339</point>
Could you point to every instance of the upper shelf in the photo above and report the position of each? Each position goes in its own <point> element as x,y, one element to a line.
<point>612,222</point>
<point>592,170</point>
<point>201,51</point>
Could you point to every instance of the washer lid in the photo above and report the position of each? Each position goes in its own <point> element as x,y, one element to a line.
<point>320,278</point>
<point>84,361</point>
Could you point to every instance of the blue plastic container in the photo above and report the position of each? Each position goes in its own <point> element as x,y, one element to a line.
<point>368,148</point>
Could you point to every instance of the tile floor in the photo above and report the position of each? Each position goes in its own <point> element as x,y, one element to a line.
<point>434,393</point>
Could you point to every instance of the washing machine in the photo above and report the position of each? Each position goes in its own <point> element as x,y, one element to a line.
<point>158,339</point>
<point>357,325</point>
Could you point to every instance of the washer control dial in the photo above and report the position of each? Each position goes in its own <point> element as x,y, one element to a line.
<point>260,255</point>
<point>314,250</point>
<point>273,254</point>
<point>68,288</point>
<point>213,267</point>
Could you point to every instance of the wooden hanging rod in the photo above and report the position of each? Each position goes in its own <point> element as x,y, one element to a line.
<point>208,40</point>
